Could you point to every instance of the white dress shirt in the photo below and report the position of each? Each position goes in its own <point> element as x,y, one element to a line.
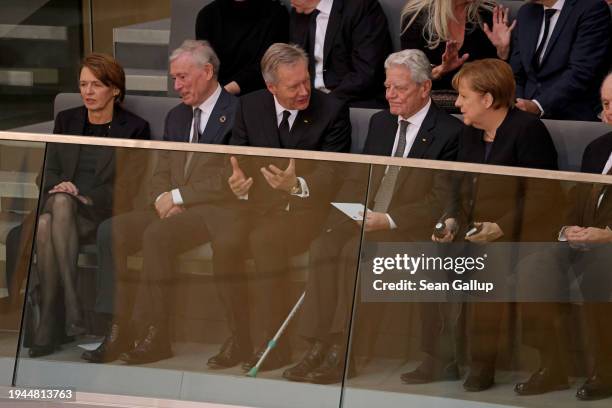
<point>605,170</point>
<point>553,22</point>
<point>206,107</point>
<point>415,121</point>
<point>324,8</point>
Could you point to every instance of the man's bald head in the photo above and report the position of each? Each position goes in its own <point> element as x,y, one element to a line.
<point>606,99</point>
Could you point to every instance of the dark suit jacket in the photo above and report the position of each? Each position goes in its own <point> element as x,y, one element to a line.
<point>420,194</point>
<point>594,159</point>
<point>576,59</point>
<point>323,126</point>
<point>357,42</point>
<point>202,182</point>
<point>515,204</point>
<point>62,159</point>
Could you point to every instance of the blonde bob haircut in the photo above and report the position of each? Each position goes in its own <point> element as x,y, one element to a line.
<point>489,75</point>
<point>439,13</point>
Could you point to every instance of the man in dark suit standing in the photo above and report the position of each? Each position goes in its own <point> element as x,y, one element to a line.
<point>347,42</point>
<point>174,220</point>
<point>560,53</point>
<point>278,205</point>
<point>412,127</point>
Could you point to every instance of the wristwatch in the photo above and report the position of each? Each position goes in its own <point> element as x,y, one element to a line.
<point>297,189</point>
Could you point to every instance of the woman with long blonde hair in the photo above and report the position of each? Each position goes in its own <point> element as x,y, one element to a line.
<point>451,32</point>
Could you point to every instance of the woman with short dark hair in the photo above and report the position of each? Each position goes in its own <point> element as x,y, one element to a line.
<point>491,208</point>
<point>78,193</point>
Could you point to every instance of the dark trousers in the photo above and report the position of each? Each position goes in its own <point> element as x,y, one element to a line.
<point>161,240</point>
<point>271,238</point>
<point>332,284</point>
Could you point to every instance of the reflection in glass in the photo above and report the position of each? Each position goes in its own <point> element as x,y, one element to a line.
<point>550,296</point>
<point>20,165</point>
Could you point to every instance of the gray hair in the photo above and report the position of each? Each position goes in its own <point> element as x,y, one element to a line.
<point>201,52</point>
<point>280,54</point>
<point>414,61</point>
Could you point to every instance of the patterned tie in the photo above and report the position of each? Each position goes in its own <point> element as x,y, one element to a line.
<point>387,185</point>
<point>197,117</point>
<point>283,130</point>
<point>548,14</point>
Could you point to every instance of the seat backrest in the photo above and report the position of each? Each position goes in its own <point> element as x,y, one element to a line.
<point>571,138</point>
<point>153,109</point>
<point>360,121</point>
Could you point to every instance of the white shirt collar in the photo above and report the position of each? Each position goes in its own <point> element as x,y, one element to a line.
<point>210,102</point>
<point>418,118</point>
<point>557,6</point>
<point>280,108</point>
<point>325,6</point>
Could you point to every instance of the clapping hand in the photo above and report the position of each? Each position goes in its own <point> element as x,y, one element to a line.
<point>501,32</point>
<point>450,60</point>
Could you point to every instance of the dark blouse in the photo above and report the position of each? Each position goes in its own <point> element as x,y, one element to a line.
<point>475,43</point>
<point>84,176</point>
<point>240,33</point>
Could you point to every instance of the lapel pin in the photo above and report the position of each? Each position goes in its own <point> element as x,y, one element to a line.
<point>306,121</point>
<point>424,140</point>
<point>222,119</point>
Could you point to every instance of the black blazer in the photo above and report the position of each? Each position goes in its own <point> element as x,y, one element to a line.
<point>323,126</point>
<point>62,159</point>
<point>357,42</point>
<point>594,159</point>
<point>476,43</point>
<point>240,34</point>
<point>202,182</point>
<point>515,204</point>
<point>420,194</point>
<point>576,60</point>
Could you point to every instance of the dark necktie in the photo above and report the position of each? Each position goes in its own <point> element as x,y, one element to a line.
<point>197,117</point>
<point>548,14</point>
<point>312,35</point>
<point>387,185</point>
<point>283,129</point>
<point>593,205</point>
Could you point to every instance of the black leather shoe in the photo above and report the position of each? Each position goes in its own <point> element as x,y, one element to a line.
<point>115,343</point>
<point>232,353</point>
<point>153,347</point>
<point>479,380</point>
<point>432,370</point>
<point>39,351</point>
<point>278,357</point>
<point>311,360</point>
<point>595,388</point>
<point>331,369</point>
<point>545,380</point>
